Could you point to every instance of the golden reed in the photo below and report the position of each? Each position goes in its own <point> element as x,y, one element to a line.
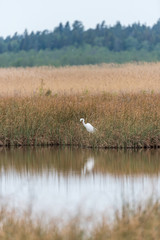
<point>122,120</point>
<point>112,78</point>
<point>43,105</point>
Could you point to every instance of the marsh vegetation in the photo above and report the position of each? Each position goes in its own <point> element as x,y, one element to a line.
<point>139,224</point>
<point>113,79</point>
<point>123,120</point>
<point>42,106</point>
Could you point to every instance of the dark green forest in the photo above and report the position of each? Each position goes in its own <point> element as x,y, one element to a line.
<point>73,45</point>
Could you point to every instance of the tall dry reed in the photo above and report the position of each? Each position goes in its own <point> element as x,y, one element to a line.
<point>112,78</point>
<point>122,120</point>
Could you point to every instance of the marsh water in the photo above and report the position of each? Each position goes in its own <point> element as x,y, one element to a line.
<point>58,181</point>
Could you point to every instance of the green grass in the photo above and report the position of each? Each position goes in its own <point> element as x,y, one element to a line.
<point>75,56</point>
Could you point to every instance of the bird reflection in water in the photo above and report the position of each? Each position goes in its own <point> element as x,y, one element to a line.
<point>89,166</point>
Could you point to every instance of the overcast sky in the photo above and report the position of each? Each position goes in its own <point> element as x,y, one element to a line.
<point>37,15</point>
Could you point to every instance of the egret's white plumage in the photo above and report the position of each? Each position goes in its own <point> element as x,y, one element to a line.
<point>88,126</point>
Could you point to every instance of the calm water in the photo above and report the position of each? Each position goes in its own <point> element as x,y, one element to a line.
<point>58,180</point>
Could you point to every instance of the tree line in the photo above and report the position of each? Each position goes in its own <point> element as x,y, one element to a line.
<point>114,38</point>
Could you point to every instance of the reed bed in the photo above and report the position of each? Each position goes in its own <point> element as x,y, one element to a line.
<point>140,223</point>
<point>122,120</point>
<point>42,106</point>
<point>112,78</point>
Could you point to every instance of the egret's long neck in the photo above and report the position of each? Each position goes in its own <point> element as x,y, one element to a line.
<point>83,122</point>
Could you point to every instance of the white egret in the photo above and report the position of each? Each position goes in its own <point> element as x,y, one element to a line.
<point>88,126</point>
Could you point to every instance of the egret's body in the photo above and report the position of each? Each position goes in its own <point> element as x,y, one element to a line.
<point>88,126</point>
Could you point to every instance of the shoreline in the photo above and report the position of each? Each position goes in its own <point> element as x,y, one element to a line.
<point>80,146</point>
